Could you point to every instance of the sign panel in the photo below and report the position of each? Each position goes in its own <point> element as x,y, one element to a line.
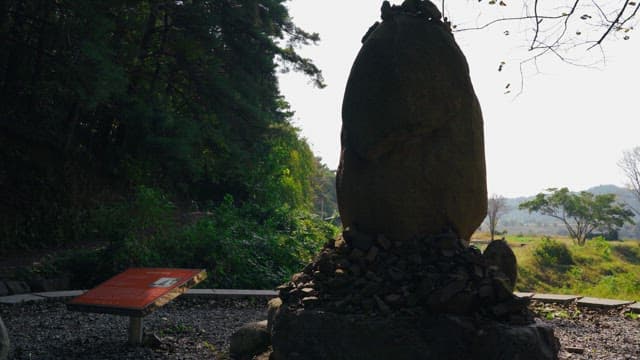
<point>137,291</point>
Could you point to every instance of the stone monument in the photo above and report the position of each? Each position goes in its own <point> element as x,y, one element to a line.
<point>412,160</point>
<point>401,282</point>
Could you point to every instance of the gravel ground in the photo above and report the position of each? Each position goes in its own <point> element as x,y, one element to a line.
<point>192,328</point>
<point>189,329</point>
<point>593,334</point>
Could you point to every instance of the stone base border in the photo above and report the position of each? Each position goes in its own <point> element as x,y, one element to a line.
<point>238,293</point>
<point>228,293</point>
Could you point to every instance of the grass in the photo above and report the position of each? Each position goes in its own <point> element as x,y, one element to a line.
<point>557,265</point>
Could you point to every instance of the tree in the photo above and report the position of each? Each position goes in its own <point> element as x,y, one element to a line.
<point>496,206</point>
<point>630,165</point>
<point>581,213</point>
<point>98,97</point>
<point>325,197</point>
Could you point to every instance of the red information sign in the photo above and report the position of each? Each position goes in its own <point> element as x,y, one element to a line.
<point>137,291</point>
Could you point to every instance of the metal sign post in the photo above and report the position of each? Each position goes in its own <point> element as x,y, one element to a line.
<point>135,330</point>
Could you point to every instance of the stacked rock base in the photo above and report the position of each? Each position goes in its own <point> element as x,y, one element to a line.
<point>319,335</point>
<point>365,297</point>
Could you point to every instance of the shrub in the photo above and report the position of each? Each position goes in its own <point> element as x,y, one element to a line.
<point>552,253</point>
<point>239,246</point>
<point>601,246</point>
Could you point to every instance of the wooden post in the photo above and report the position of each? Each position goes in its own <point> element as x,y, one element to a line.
<point>135,330</point>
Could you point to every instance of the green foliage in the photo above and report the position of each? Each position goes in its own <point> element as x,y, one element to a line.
<point>601,246</point>
<point>99,97</point>
<point>581,213</point>
<point>237,250</point>
<point>551,253</point>
<point>551,313</point>
<point>632,315</point>
<point>628,253</point>
<point>325,200</point>
<point>600,269</point>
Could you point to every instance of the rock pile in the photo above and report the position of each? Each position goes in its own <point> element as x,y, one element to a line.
<point>363,274</point>
<point>366,297</point>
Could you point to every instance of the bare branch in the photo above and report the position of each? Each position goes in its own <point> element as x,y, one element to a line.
<point>612,25</point>
<point>535,36</point>
<point>515,18</point>
<point>633,14</point>
<point>602,13</point>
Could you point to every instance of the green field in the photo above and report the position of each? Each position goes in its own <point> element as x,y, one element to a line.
<point>556,265</point>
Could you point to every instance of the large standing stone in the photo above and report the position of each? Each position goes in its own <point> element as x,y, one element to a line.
<point>412,161</point>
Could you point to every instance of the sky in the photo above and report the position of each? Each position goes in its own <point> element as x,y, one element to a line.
<point>568,126</point>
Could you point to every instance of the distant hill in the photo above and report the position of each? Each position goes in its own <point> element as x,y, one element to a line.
<point>516,221</point>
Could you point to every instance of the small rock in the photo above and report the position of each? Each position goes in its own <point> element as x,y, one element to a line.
<point>308,290</point>
<point>452,289</point>
<point>381,305</point>
<point>448,252</point>
<point>250,340</point>
<point>500,309</point>
<point>310,301</point>
<point>355,270</point>
<point>296,278</point>
<point>575,350</point>
<point>325,265</point>
<point>395,274</point>
<point>392,298</point>
<point>383,242</point>
<point>356,255</point>
<point>368,304</point>
<point>415,258</point>
<point>500,255</point>
<point>272,309</point>
<point>17,287</point>
<point>485,291</point>
<point>152,341</point>
<point>308,269</point>
<point>357,239</point>
<point>372,254</point>
<point>53,284</point>
<point>339,282</point>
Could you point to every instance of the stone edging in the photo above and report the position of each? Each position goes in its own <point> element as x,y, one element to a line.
<point>228,293</point>
<point>583,301</point>
<point>231,293</point>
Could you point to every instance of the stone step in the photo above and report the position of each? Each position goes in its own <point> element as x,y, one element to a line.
<point>602,303</point>
<point>16,299</point>
<point>523,294</point>
<point>60,294</point>
<point>555,298</point>
<point>231,292</point>
<point>635,307</point>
